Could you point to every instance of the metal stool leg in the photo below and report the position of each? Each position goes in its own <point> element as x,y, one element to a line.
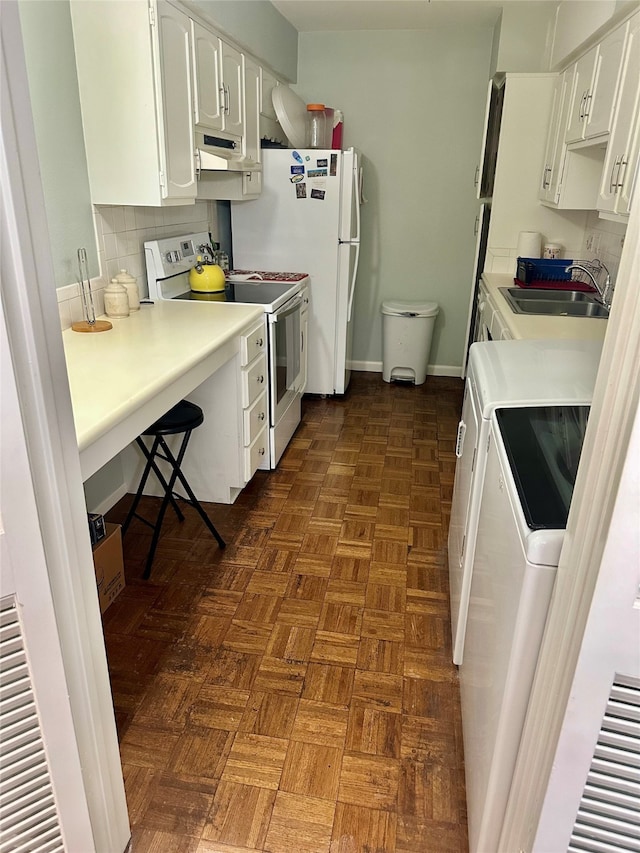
<point>150,466</point>
<point>176,474</point>
<point>195,503</point>
<point>168,496</point>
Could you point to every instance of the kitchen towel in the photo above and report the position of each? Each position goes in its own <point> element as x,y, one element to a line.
<point>529,244</point>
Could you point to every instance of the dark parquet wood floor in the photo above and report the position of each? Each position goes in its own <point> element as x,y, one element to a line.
<point>295,692</point>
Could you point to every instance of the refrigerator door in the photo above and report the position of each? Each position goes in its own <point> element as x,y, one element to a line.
<point>350,200</point>
<point>295,226</point>
<point>348,256</point>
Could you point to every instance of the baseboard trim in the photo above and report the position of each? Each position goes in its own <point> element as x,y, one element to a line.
<point>432,369</point>
<point>111,500</point>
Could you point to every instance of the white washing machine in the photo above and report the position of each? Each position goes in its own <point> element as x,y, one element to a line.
<point>503,374</point>
<point>531,465</point>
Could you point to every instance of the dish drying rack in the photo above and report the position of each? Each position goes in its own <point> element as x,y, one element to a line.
<point>552,274</point>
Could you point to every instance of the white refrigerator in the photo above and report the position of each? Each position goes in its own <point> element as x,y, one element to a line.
<point>307,219</point>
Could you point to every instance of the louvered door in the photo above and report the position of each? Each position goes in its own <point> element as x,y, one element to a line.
<point>28,814</point>
<point>609,815</point>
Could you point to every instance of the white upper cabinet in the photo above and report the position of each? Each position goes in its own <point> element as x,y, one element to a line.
<point>173,43</point>
<point>594,86</point>
<point>555,148</point>
<point>251,148</point>
<point>218,106</point>
<point>208,89</point>
<point>134,77</point>
<point>233,85</point>
<point>621,162</point>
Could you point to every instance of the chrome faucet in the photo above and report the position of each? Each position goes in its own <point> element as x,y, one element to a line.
<point>603,292</point>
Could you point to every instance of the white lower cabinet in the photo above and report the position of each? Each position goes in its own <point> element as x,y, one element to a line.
<point>254,381</point>
<point>232,443</point>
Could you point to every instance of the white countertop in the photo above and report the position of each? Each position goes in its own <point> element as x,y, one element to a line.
<point>532,327</point>
<point>123,379</point>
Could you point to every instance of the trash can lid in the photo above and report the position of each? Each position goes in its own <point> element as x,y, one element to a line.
<point>410,309</point>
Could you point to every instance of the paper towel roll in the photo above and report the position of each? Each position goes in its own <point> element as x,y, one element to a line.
<point>529,244</point>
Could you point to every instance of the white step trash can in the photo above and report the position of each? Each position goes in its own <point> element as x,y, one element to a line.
<point>407,329</point>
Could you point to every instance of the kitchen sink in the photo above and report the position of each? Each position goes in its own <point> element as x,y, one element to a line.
<point>554,303</point>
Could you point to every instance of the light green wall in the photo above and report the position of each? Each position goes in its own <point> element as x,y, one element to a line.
<point>53,86</point>
<point>414,105</point>
<point>260,28</point>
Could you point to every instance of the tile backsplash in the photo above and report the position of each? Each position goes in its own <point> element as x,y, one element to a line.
<point>120,235</point>
<point>602,239</point>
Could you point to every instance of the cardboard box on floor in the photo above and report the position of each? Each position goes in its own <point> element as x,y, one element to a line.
<point>109,566</point>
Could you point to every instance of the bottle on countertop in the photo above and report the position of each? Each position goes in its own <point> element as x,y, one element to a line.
<point>130,283</point>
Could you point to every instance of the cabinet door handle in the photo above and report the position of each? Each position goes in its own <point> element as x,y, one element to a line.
<point>622,173</point>
<point>259,342</point>
<point>198,167</point>
<point>223,99</point>
<point>262,451</point>
<point>587,104</point>
<point>261,416</point>
<point>227,99</point>
<point>260,379</point>
<point>612,183</point>
<point>476,177</point>
<point>582,100</point>
<point>546,178</point>
<point>475,226</point>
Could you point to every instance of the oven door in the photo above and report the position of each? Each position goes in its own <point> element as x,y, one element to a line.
<point>285,361</point>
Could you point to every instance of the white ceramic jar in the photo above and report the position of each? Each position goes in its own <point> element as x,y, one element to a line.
<point>116,301</point>
<point>130,283</point>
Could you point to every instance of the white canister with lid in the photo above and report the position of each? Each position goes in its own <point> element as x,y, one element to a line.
<point>130,283</point>
<point>116,301</point>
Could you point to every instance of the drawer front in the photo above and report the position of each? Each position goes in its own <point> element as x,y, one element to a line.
<point>255,454</point>
<point>255,418</point>
<point>254,381</point>
<point>253,344</point>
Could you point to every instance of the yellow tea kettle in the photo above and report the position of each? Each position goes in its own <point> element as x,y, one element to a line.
<point>206,278</point>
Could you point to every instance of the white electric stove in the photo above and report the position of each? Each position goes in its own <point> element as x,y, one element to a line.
<point>284,297</point>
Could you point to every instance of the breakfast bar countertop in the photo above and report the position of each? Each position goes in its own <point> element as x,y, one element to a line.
<point>123,379</point>
<point>536,327</point>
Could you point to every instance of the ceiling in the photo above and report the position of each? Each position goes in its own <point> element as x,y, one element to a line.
<point>322,15</point>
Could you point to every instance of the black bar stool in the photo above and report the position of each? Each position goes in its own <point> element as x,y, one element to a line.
<point>182,418</point>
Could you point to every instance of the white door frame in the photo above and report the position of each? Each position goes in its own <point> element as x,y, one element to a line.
<point>33,326</point>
